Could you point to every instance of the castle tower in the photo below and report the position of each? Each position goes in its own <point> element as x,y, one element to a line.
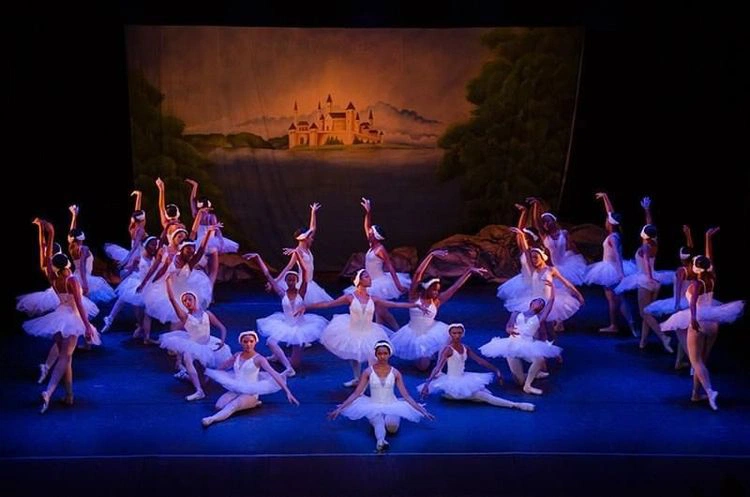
<point>296,119</point>
<point>371,119</point>
<point>329,104</point>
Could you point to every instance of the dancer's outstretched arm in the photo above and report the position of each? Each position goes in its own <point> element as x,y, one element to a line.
<point>451,291</point>
<point>364,380</point>
<point>262,363</point>
<point>444,355</point>
<point>407,397</point>
<point>223,329</point>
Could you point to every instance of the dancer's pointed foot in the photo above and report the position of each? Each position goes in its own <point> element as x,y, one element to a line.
<point>107,324</point>
<point>532,390</point>
<point>288,372</point>
<point>45,402</point>
<point>665,342</point>
<point>197,395</point>
<point>541,375</point>
<point>524,406</point>
<point>609,329</point>
<point>381,446</point>
<point>207,421</point>
<point>43,372</point>
<point>138,332</point>
<point>150,341</point>
<point>712,399</point>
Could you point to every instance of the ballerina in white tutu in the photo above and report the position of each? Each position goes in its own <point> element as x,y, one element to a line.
<point>246,382</point>
<point>94,287</point>
<point>38,303</point>
<point>194,342</point>
<point>64,325</point>
<point>518,283</point>
<point>385,285</point>
<point>457,384</point>
<point>219,244</point>
<point>562,250</point>
<point>285,326</point>
<point>302,257</point>
<point>522,344</point>
<point>423,336</point>
<point>702,320</point>
<point>133,275</point>
<point>169,215</point>
<point>352,336</point>
<point>567,300</point>
<point>382,409</point>
<point>681,281</point>
<point>646,279</point>
<point>611,270</point>
<point>137,230</point>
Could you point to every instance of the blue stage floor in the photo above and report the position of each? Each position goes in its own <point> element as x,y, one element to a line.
<point>608,402</point>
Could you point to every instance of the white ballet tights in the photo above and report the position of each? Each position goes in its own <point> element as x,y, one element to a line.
<point>382,422</point>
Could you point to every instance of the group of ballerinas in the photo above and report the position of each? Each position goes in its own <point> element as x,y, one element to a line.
<point>156,270</point>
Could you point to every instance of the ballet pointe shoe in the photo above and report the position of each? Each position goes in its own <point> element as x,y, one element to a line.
<point>381,446</point>
<point>665,344</point>
<point>609,329</point>
<point>712,399</point>
<point>43,372</point>
<point>532,390</point>
<point>107,324</point>
<point>524,406</point>
<point>198,395</point>
<point>45,402</point>
<point>541,375</point>
<point>288,372</point>
<point>207,421</point>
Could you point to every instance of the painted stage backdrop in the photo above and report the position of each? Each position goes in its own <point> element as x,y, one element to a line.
<point>444,129</point>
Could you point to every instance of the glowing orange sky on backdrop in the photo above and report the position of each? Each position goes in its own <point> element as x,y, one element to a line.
<point>217,77</point>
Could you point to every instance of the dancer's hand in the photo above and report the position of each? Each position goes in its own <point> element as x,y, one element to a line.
<point>646,202</point>
<point>425,390</point>
<point>520,207</point>
<point>600,195</point>
<point>73,209</point>
<point>292,399</point>
<point>439,253</point>
<point>218,347</point>
<point>335,413</point>
<point>300,311</point>
<point>366,204</point>
<point>288,251</point>
<point>712,231</point>
<point>315,206</point>
<point>159,183</point>
<point>427,414</point>
<point>480,271</point>
<point>37,221</point>
<point>532,200</point>
<point>515,230</point>
<point>250,256</point>
<point>191,182</point>
<point>136,193</point>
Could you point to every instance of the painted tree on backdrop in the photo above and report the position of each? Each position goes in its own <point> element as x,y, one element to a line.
<point>514,144</point>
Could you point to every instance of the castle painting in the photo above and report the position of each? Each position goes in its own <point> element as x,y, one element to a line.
<point>333,127</point>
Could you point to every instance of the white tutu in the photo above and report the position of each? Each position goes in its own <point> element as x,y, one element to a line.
<point>520,347</point>
<point>220,244</point>
<point>65,320</point>
<point>265,383</point>
<point>603,273</point>
<point>573,267</point>
<point>346,342</point>
<point>314,294</point>
<point>126,290</point>
<point>156,300</point>
<point>116,252</point>
<point>564,306</point>
<point>384,288</point>
<point>640,280</point>
<point>306,328</point>
<point>99,289</point>
<point>37,303</point>
<point>724,313</point>
<point>515,286</point>
<point>180,342</point>
<point>662,307</point>
<point>413,342</point>
<point>365,407</point>
<point>459,386</point>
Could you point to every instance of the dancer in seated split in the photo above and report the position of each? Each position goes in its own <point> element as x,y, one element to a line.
<point>64,324</point>
<point>382,409</point>
<point>457,384</point>
<point>352,336</point>
<point>195,343</point>
<point>522,343</point>
<point>284,326</point>
<point>245,383</point>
